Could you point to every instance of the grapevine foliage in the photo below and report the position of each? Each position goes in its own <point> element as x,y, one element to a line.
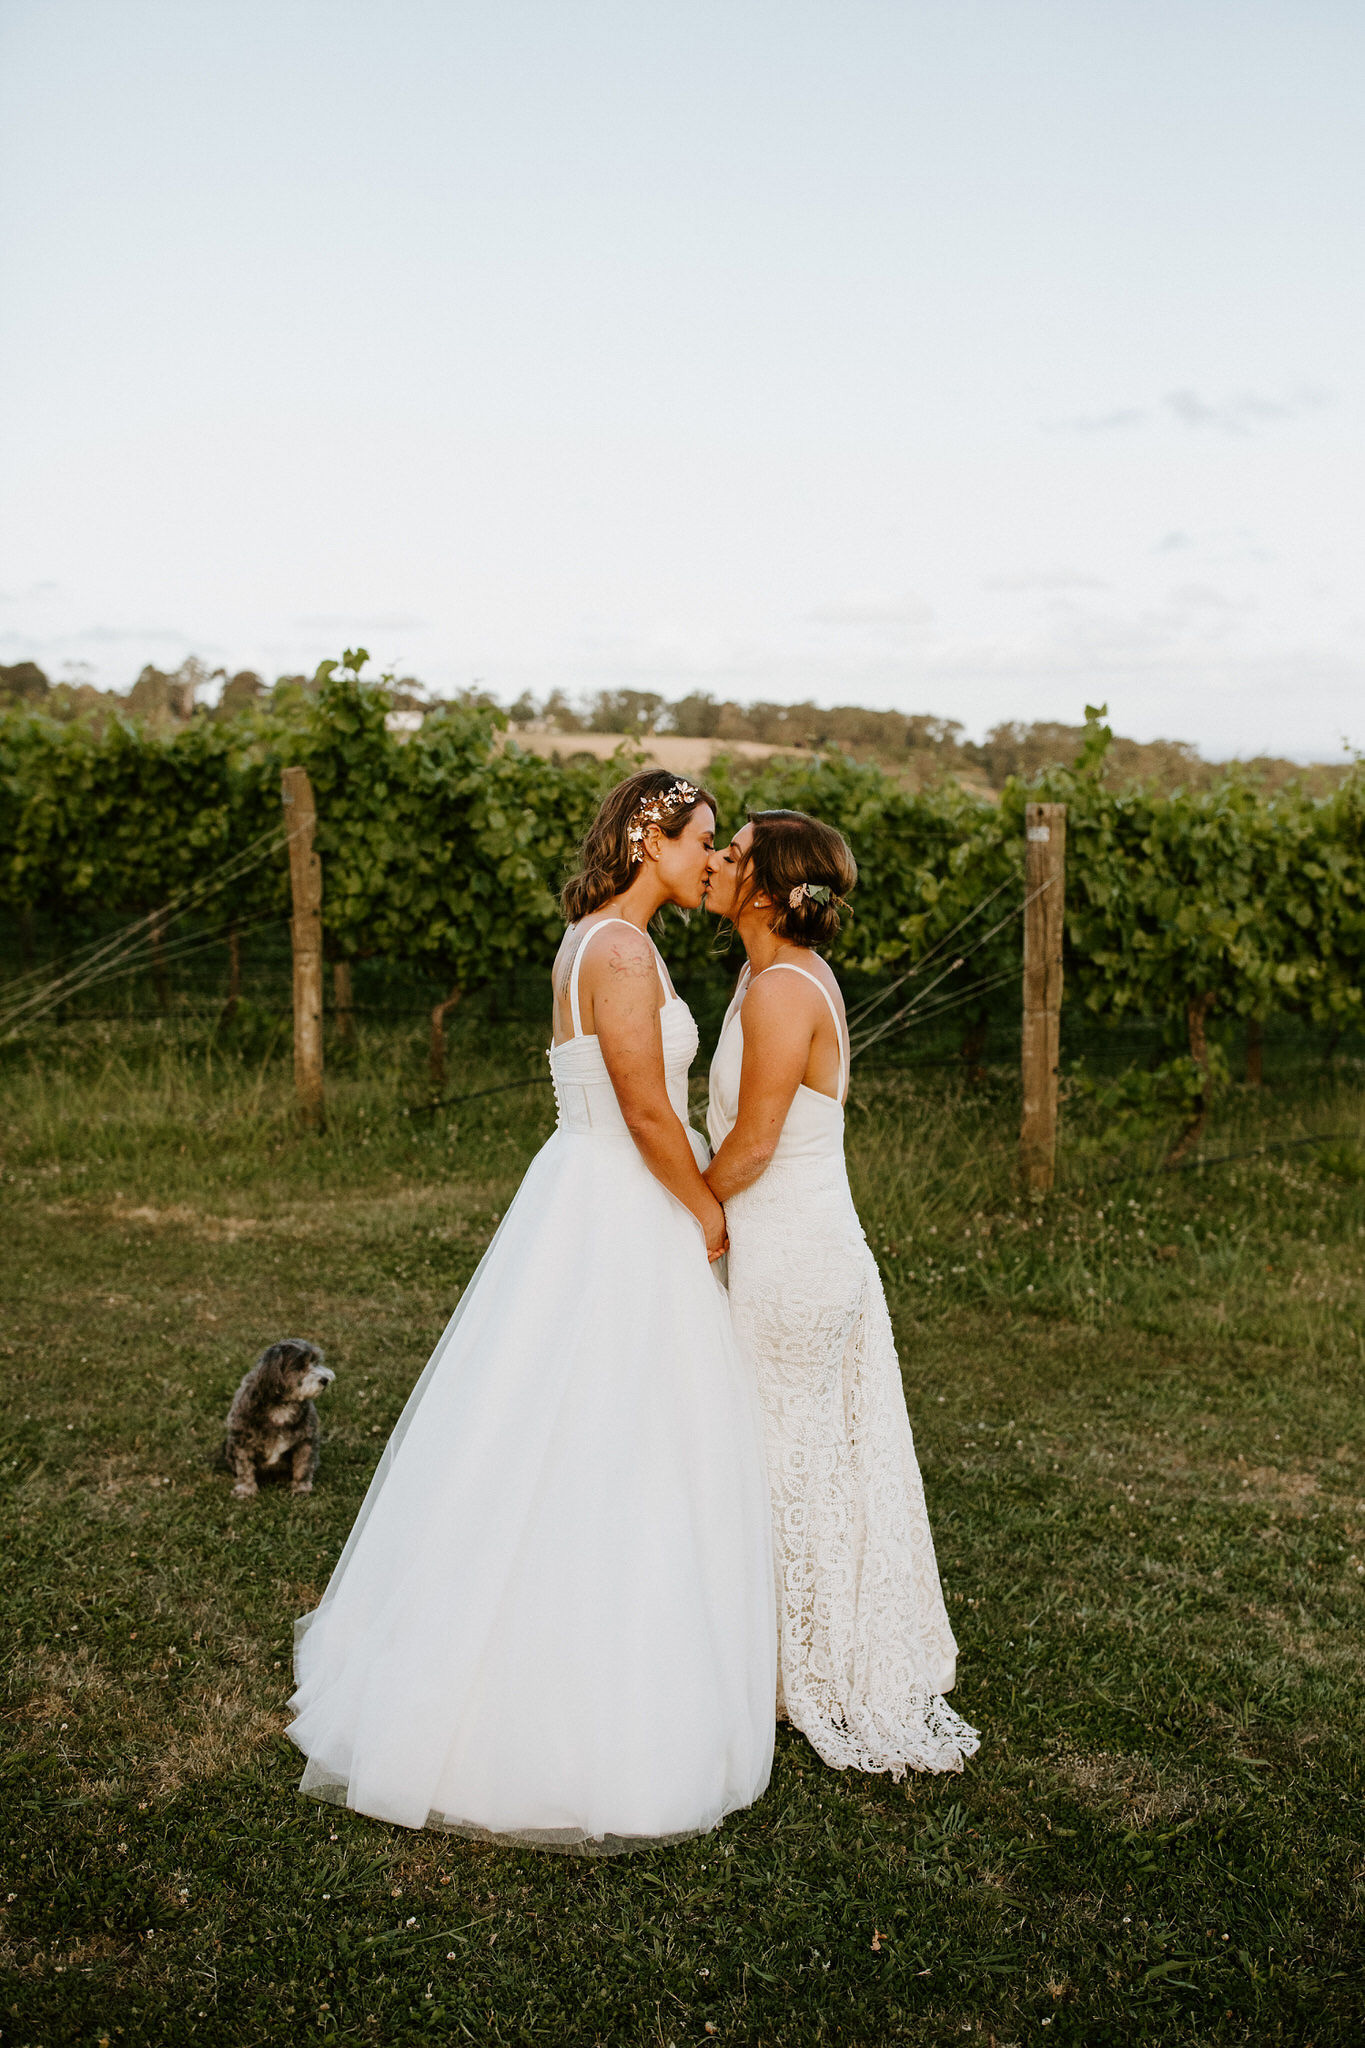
<point>449,848</point>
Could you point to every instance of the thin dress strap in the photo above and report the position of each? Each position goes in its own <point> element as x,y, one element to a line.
<point>582,948</point>
<point>792,968</point>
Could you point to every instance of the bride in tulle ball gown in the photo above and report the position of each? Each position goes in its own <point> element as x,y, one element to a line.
<point>865,1650</point>
<point>553,1619</point>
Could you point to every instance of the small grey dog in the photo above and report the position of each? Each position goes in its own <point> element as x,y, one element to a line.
<point>272,1425</point>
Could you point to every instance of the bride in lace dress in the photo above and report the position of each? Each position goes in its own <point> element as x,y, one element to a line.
<point>553,1619</point>
<point>865,1651</point>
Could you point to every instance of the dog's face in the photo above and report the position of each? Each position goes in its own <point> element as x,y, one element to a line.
<point>298,1368</point>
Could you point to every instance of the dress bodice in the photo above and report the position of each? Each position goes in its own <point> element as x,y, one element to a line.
<point>814,1128</point>
<point>584,1096</point>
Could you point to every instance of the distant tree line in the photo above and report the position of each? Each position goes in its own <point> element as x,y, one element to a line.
<point>917,747</point>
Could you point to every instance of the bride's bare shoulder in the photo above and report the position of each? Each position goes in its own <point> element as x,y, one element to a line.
<point>624,952</point>
<point>774,1000</point>
<point>778,984</point>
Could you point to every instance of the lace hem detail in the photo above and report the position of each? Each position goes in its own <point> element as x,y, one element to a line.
<point>928,1735</point>
<point>866,1651</point>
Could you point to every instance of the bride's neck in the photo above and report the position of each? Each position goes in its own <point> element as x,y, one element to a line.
<point>640,902</point>
<point>762,945</point>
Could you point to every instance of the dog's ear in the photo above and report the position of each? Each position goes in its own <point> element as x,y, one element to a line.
<point>272,1365</point>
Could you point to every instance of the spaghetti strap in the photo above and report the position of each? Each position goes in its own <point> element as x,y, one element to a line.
<point>582,948</point>
<point>792,968</point>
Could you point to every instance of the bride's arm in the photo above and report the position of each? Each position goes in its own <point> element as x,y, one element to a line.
<point>778,1027</point>
<point>624,987</point>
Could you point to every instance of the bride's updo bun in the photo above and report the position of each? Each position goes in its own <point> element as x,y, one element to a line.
<point>606,859</point>
<point>790,855</point>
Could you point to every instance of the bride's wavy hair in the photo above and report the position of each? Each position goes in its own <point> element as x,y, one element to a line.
<point>793,854</point>
<point>605,867</point>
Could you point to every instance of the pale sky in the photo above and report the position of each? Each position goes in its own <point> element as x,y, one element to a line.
<point>980,357</point>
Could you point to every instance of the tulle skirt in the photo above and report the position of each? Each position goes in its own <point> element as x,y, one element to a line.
<point>553,1620</point>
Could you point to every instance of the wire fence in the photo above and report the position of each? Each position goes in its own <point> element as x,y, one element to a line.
<point>138,946</point>
<point>193,962</point>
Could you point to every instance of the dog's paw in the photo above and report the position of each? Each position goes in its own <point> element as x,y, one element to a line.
<point>245,1489</point>
<point>302,1486</point>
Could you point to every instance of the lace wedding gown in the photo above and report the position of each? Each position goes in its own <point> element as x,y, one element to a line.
<point>865,1651</point>
<point>552,1621</point>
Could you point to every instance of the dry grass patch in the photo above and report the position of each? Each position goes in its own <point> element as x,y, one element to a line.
<point>121,1732</point>
<point>1115,1780</point>
<point>1293,1489</point>
<point>1341,1653</point>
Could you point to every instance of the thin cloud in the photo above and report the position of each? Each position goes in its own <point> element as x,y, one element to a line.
<point>114,635</point>
<point>347,622</point>
<point>1243,413</point>
<point>1047,580</point>
<point>1099,422</point>
<point>1204,598</point>
<point>894,615</point>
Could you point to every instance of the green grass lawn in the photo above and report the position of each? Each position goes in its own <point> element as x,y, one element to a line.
<point>1138,1411</point>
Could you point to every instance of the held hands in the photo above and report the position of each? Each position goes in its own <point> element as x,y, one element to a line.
<point>717,1235</point>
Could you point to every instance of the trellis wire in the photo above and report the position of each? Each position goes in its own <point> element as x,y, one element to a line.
<point>108,957</point>
<point>182,948</point>
<point>1201,1160</point>
<point>873,1002</point>
<point>904,1017</point>
<point>75,962</point>
<point>955,1001</point>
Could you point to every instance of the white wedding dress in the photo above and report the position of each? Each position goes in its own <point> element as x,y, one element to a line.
<point>865,1650</point>
<point>553,1619</point>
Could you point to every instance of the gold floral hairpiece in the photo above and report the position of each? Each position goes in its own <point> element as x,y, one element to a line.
<point>653,811</point>
<point>816,891</point>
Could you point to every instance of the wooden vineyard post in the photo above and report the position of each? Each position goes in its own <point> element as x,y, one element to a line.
<point>1044,905</point>
<point>343,1001</point>
<point>305,931</point>
<point>1255,1052</point>
<point>160,979</point>
<point>234,993</point>
<point>436,1056</point>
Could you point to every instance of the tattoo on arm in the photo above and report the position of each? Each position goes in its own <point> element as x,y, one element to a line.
<point>628,966</point>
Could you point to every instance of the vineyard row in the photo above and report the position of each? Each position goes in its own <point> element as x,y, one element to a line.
<point>448,848</point>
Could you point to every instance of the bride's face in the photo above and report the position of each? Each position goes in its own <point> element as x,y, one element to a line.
<point>684,862</point>
<point>727,872</point>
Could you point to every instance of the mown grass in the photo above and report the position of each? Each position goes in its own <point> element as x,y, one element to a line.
<point>1138,1410</point>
